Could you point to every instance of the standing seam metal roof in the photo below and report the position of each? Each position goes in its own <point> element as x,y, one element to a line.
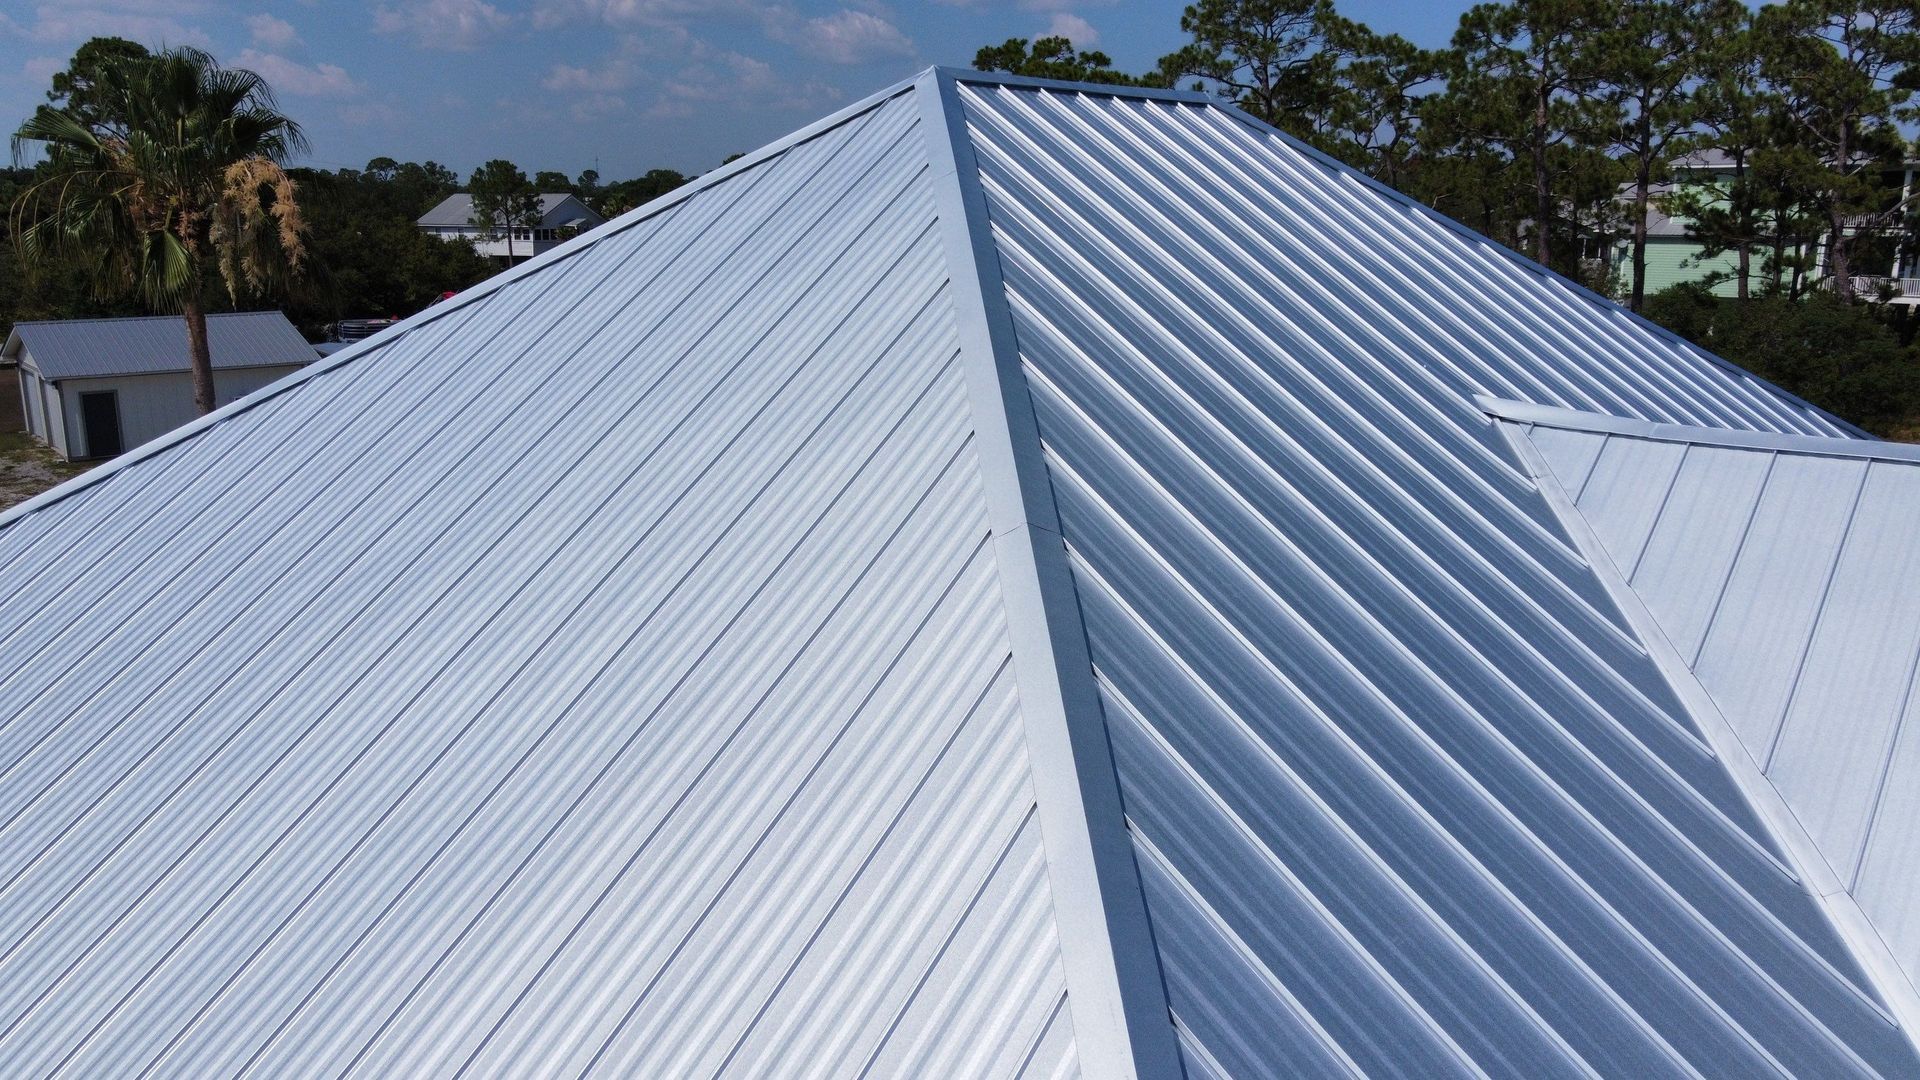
<point>1014,578</point>
<point>154,345</point>
<point>1780,572</point>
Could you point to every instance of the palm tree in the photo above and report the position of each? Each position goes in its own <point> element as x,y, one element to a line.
<point>182,167</point>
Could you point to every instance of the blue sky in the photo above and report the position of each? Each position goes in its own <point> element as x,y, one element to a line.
<point>636,84</point>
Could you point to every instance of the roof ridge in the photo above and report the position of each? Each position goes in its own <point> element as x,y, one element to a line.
<point>1116,990</point>
<point>1554,416</point>
<point>143,318</point>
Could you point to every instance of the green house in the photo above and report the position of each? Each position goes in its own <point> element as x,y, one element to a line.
<point>1674,257</point>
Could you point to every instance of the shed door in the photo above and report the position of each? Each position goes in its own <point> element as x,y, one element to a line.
<point>100,416</point>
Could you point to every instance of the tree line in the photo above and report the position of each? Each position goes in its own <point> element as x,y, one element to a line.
<point>356,251</point>
<point>1551,125</point>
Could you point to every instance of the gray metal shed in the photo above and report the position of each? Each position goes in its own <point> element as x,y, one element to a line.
<point>92,388</point>
<point>1013,579</point>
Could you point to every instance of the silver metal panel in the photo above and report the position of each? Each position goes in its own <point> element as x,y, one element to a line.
<point>1408,796</point>
<point>82,348</point>
<point>1571,454</point>
<point>1857,674</point>
<point>1684,562</point>
<point>652,718</point>
<point>1786,579</point>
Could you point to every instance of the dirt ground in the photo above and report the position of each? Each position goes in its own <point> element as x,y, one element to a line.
<point>26,467</point>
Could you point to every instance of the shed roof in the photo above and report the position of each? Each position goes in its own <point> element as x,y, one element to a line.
<point>1015,578</point>
<point>155,345</point>
<point>556,210</point>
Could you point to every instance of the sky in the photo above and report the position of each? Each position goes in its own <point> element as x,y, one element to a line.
<point>619,85</point>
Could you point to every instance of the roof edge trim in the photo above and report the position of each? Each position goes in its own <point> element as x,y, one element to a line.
<point>1834,902</point>
<point>1553,416</point>
<point>1116,992</point>
<point>972,77</point>
<point>1551,274</point>
<point>485,288</point>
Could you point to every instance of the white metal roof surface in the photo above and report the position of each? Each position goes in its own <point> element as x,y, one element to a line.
<point>88,348</point>
<point>645,719</point>
<point>1408,797</point>
<point>1009,580</point>
<point>1784,578</point>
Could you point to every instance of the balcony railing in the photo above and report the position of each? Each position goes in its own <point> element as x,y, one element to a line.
<point>1902,289</point>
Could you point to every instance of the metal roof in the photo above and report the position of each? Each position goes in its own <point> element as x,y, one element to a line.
<point>1013,578</point>
<point>456,210</point>
<point>1783,575</point>
<point>154,345</point>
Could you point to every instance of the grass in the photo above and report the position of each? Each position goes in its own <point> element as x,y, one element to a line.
<point>28,468</point>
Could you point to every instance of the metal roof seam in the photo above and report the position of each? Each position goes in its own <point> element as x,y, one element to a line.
<point>1353,175</point>
<point>576,246</point>
<point>1792,941</point>
<point>1899,997</point>
<point>1116,989</point>
<point>1407,799</point>
<point>1149,732</point>
<point>1813,632</point>
<point>1901,731</point>
<point>1234,281</point>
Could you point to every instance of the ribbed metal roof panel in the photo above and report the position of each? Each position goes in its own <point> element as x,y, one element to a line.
<point>1785,578</point>
<point>91,348</point>
<point>1409,797</point>
<point>652,717</point>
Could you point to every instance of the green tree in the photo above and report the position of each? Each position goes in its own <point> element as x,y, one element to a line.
<point>503,200</point>
<point>551,180</point>
<point>1054,58</point>
<point>1738,116</point>
<point>619,197</point>
<point>1381,84</point>
<point>1845,70</point>
<point>1842,357</point>
<point>77,92</point>
<point>366,257</point>
<point>1650,64</point>
<point>1522,83</point>
<point>176,171</point>
<point>1266,56</point>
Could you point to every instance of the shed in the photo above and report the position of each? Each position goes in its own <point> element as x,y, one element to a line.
<point>92,388</point>
<point>1015,579</point>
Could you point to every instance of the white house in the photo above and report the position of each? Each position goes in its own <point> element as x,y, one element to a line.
<point>561,216</point>
<point>92,388</point>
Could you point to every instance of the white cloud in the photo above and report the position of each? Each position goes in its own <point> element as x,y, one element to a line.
<point>297,79</point>
<point>457,25</point>
<point>134,21</point>
<point>42,69</point>
<point>270,32</point>
<point>722,79</point>
<point>617,70</point>
<point>844,37</point>
<point>596,107</point>
<point>555,14</point>
<point>1026,5</point>
<point>1068,25</point>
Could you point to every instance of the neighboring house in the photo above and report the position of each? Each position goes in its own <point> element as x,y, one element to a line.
<point>1674,257</point>
<point>92,388</point>
<point>1017,579</point>
<point>561,216</point>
